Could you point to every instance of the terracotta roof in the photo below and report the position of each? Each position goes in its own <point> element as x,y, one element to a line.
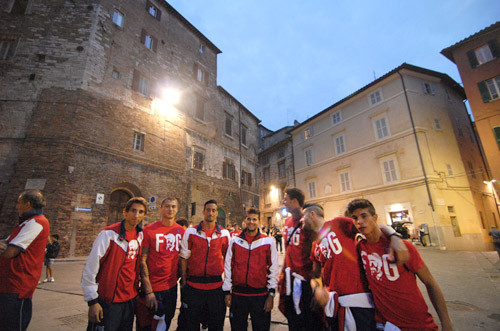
<point>448,52</point>
<point>444,77</point>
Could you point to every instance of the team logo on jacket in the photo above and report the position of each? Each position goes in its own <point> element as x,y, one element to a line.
<point>133,247</point>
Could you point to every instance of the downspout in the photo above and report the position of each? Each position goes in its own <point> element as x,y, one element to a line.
<point>239,149</point>
<point>421,159</point>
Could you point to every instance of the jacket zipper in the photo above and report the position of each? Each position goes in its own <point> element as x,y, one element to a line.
<point>248,262</point>
<point>206,259</point>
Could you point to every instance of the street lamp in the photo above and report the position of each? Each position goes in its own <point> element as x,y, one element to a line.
<point>169,98</point>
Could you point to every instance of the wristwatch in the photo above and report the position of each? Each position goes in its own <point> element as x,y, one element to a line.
<point>272,292</point>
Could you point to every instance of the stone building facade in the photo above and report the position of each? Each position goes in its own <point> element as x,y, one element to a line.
<point>87,117</point>
<point>405,142</point>
<point>276,169</point>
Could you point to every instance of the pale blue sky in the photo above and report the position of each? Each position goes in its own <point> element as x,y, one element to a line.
<point>287,60</point>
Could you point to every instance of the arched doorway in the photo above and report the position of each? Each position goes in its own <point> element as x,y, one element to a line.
<point>117,202</point>
<point>221,217</point>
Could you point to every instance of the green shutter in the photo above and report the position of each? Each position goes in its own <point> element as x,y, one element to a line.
<point>494,48</point>
<point>472,58</point>
<point>485,93</point>
<point>496,131</point>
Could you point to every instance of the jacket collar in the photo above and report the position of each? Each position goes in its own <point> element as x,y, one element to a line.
<point>199,228</point>
<point>29,214</point>
<point>243,234</point>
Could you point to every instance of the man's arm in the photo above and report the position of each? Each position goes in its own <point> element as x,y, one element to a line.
<point>397,249</point>
<point>436,296</point>
<point>151,301</point>
<point>9,251</point>
<point>184,264</point>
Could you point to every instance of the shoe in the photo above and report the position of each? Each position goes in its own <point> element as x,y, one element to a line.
<point>46,280</point>
<point>51,279</point>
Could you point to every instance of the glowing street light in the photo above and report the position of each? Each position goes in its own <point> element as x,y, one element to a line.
<point>165,104</point>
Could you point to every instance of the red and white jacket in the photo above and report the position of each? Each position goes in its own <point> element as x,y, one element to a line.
<point>21,274</point>
<point>205,256</point>
<point>251,268</point>
<point>105,261</point>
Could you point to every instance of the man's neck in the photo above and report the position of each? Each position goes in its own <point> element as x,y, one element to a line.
<point>208,225</point>
<point>297,214</point>
<point>252,233</point>
<point>374,236</point>
<point>167,221</point>
<point>129,227</point>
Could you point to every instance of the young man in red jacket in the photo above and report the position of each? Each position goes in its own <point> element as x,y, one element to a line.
<point>203,249</point>
<point>251,272</point>
<point>110,276</point>
<point>21,261</point>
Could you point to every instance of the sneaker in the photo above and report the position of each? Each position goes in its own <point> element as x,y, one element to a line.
<point>51,279</point>
<point>46,280</point>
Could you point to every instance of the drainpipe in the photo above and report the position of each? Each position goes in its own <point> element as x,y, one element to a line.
<point>421,162</point>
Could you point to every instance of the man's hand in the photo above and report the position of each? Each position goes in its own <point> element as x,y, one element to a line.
<point>151,301</point>
<point>227,300</point>
<point>397,251</point>
<point>95,313</point>
<point>268,306</point>
<point>3,246</point>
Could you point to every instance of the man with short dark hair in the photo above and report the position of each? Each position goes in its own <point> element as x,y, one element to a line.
<point>251,274</point>
<point>111,275</point>
<point>159,263</point>
<point>398,301</point>
<point>203,249</point>
<point>21,261</point>
<point>337,266</point>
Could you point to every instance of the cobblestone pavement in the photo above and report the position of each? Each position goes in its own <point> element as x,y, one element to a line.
<point>470,282</point>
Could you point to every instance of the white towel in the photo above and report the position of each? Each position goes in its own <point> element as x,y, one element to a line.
<point>361,300</point>
<point>297,291</point>
<point>162,326</point>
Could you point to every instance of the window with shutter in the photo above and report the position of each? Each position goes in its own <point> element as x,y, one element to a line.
<point>496,132</point>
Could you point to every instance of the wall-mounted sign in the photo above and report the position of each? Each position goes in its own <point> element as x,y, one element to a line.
<point>99,199</point>
<point>83,209</point>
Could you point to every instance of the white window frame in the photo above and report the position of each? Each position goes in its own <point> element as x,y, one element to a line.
<point>345,181</point>
<point>493,86</point>
<point>200,74</point>
<point>309,157</point>
<point>483,54</point>
<point>390,171</point>
<point>339,142</point>
<point>312,189</point>
<point>381,132</point>
<point>118,18</point>
<point>336,117</point>
<point>138,142</point>
<point>375,97</point>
